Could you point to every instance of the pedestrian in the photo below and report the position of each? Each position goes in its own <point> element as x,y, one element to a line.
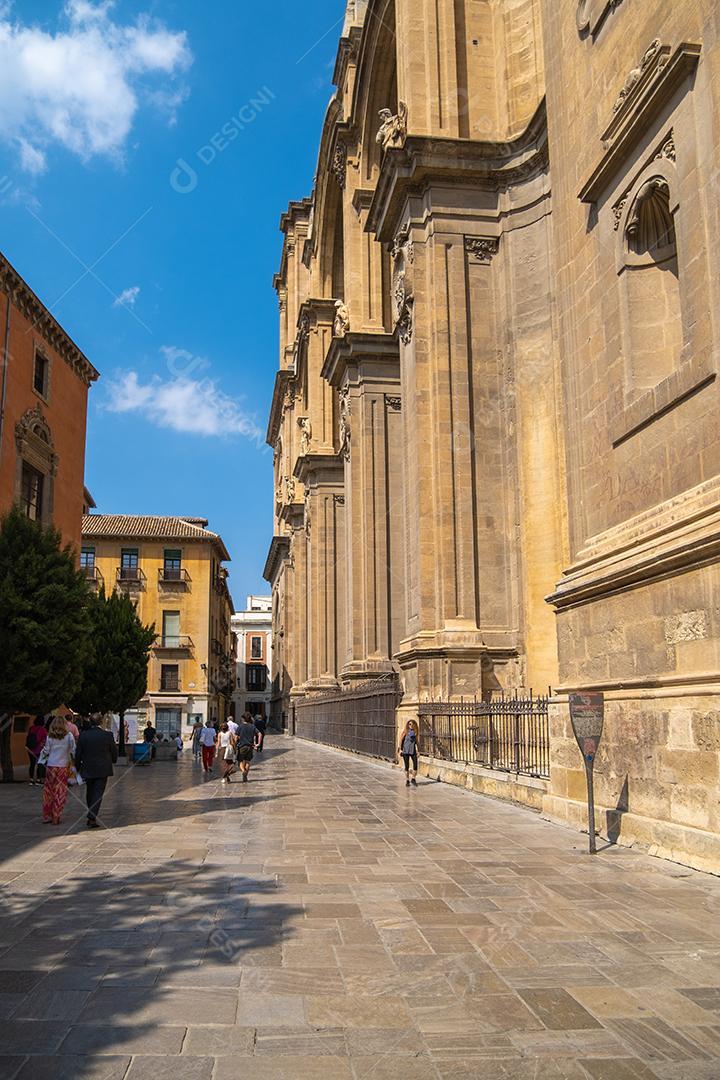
<point>72,726</point>
<point>150,736</point>
<point>178,741</point>
<point>226,749</point>
<point>208,742</point>
<point>197,729</point>
<point>232,726</point>
<point>56,756</point>
<point>261,725</point>
<point>34,742</point>
<point>246,741</point>
<point>409,750</point>
<point>95,756</point>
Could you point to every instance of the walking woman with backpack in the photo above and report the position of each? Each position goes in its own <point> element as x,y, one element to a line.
<point>409,750</point>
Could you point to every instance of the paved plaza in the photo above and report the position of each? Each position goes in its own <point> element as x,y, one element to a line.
<point>324,922</point>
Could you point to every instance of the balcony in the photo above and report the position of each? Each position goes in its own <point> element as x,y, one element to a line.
<point>216,647</point>
<point>173,576</point>
<point>93,576</point>
<point>132,577</point>
<point>174,642</point>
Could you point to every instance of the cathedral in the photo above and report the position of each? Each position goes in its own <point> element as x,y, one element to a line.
<point>495,419</point>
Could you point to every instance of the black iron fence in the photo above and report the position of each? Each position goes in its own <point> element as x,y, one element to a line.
<point>510,734</point>
<point>362,720</point>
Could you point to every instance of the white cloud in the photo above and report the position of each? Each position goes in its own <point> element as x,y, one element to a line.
<point>127,297</point>
<point>32,160</point>
<point>81,87</point>
<point>190,406</point>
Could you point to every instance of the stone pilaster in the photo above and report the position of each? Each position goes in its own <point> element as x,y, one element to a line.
<point>364,368</point>
<point>324,544</point>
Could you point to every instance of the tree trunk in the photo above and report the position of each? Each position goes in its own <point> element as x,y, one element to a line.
<point>6,726</point>
<point>121,736</point>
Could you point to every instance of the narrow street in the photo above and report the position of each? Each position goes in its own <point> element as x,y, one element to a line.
<point>330,923</point>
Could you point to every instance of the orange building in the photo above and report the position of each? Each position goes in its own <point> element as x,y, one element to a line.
<point>44,383</point>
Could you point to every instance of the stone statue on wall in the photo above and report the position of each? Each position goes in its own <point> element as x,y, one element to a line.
<point>341,326</point>
<point>393,129</point>
<point>345,423</point>
<point>290,486</point>
<point>306,437</point>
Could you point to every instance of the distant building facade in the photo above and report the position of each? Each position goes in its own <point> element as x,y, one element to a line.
<point>174,568</point>
<point>497,456</point>
<point>253,631</point>
<point>44,383</point>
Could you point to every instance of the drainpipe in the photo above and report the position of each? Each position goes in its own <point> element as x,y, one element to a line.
<point>4,370</point>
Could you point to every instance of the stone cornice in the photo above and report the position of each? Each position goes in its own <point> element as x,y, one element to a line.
<point>319,468</point>
<point>38,315</point>
<point>319,310</point>
<point>680,535</point>
<point>282,378</point>
<point>423,160</point>
<point>278,553</point>
<point>353,349</point>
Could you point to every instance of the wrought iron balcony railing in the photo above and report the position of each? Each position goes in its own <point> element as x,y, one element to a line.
<point>173,641</point>
<point>173,575</point>
<point>131,576</point>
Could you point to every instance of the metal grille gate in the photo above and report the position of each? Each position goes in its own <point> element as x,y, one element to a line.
<point>510,734</point>
<point>362,720</point>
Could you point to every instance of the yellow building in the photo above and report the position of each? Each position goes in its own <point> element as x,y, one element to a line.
<point>173,568</point>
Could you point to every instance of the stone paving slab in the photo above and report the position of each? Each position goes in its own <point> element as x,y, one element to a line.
<point>323,922</point>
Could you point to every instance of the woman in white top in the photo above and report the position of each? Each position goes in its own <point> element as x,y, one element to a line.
<point>57,755</point>
<point>226,743</point>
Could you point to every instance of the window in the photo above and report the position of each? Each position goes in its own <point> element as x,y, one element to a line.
<point>171,629</point>
<point>167,723</point>
<point>31,495</point>
<point>255,677</point>
<point>172,564</point>
<point>87,561</point>
<point>256,649</point>
<point>169,677</point>
<point>40,374</point>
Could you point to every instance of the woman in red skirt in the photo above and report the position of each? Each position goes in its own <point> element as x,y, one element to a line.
<point>57,756</point>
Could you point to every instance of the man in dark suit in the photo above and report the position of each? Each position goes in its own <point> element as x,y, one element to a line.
<point>95,755</point>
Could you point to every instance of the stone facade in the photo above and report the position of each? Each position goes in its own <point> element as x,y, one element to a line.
<point>494,421</point>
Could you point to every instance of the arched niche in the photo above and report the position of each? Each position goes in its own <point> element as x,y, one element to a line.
<point>649,277</point>
<point>377,84</point>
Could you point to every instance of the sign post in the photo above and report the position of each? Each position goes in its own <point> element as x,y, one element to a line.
<point>587,712</point>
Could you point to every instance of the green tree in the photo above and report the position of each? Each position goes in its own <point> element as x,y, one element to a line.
<point>44,624</point>
<point>116,677</point>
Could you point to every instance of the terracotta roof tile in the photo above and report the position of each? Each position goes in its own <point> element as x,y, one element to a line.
<point>128,526</point>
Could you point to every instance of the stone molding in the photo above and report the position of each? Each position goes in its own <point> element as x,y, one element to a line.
<point>678,535</point>
<point>278,553</point>
<point>393,403</point>
<point>641,100</point>
<point>338,167</point>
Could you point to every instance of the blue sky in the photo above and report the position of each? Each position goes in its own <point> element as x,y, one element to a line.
<point>164,277</point>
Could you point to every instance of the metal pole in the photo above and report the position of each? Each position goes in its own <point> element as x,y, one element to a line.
<point>591,804</point>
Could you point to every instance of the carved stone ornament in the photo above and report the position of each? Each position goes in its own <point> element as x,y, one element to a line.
<point>304,327</point>
<point>341,326</point>
<point>394,403</point>
<point>667,150</point>
<point>290,488</point>
<point>307,514</point>
<point>339,500</point>
<point>393,130</point>
<point>34,441</point>
<point>404,301</point>
<point>482,248</point>
<point>637,73</point>
<point>591,14</point>
<point>402,246</point>
<point>339,164</point>
<point>345,422</point>
<point>666,153</point>
<point>306,437</point>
